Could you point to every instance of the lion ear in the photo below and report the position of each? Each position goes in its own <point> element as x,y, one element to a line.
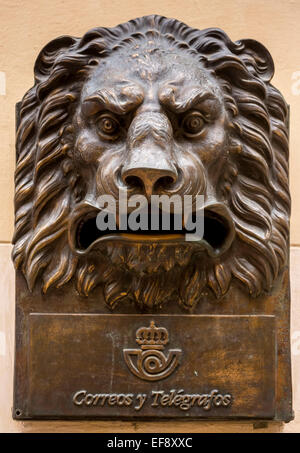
<point>257,59</point>
<point>49,54</point>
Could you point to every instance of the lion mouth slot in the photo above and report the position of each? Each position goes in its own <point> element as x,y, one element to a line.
<point>216,230</point>
<point>217,236</point>
<point>88,232</point>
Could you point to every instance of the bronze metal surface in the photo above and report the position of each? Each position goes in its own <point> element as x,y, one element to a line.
<point>152,107</point>
<point>71,354</point>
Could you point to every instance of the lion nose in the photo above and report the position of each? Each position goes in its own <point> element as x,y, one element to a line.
<point>149,172</point>
<point>149,179</point>
<point>149,167</point>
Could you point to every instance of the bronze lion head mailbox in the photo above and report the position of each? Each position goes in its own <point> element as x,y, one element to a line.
<point>152,322</point>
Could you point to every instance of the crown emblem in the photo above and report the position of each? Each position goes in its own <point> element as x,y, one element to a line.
<point>152,337</point>
<point>150,362</point>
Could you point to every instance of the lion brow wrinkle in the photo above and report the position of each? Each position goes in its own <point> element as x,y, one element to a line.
<point>109,100</point>
<point>188,100</point>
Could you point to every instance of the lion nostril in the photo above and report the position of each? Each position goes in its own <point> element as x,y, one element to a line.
<point>134,182</point>
<point>164,182</point>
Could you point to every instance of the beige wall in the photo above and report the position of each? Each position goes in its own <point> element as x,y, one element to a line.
<point>27,25</point>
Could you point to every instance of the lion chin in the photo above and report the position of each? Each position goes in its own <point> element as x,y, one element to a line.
<point>144,259</point>
<point>148,275</point>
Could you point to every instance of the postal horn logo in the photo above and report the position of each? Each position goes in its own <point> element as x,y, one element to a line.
<point>150,362</point>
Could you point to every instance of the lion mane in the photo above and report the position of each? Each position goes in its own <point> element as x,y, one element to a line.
<point>254,184</point>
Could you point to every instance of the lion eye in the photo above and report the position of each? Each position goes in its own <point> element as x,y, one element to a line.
<point>193,124</point>
<point>108,126</point>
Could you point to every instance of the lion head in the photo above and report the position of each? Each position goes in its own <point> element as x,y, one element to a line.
<point>155,107</point>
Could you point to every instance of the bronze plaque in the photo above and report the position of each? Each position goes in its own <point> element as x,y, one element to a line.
<point>151,240</point>
<point>146,366</point>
